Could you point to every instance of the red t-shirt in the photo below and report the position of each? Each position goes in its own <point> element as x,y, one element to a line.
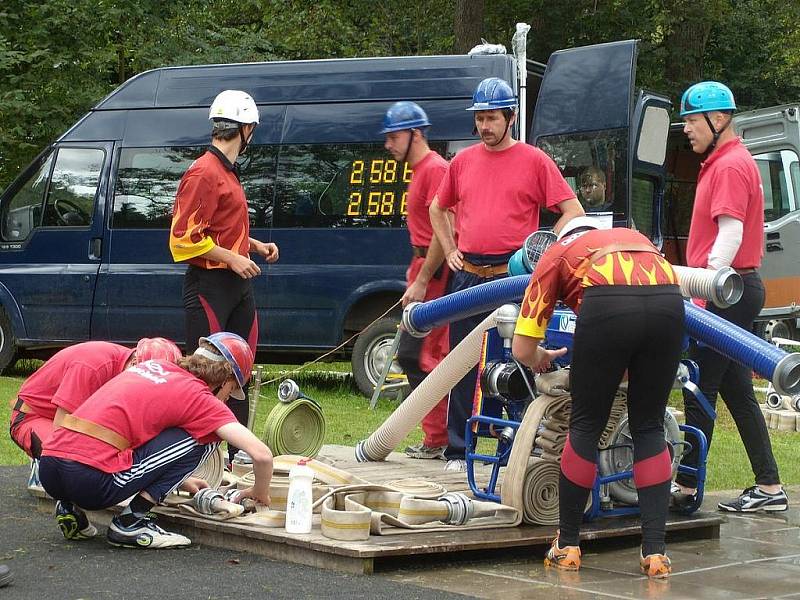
<point>565,270</point>
<point>499,195</point>
<point>728,184</point>
<point>139,404</point>
<point>72,375</point>
<point>210,210</point>
<point>425,179</point>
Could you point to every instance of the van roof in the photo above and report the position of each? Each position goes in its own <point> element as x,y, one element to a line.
<point>333,80</point>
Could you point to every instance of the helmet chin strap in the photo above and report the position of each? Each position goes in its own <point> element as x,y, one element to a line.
<point>244,143</point>
<point>505,133</point>
<point>408,146</point>
<point>714,132</point>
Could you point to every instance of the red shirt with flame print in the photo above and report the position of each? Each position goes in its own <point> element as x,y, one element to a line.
<point>210,210</point>
<point>566,269</point>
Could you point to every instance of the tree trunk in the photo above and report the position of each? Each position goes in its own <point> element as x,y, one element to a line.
<point>468,25</point>
<point>685,48</point>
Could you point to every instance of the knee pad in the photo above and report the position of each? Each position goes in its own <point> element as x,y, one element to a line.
<point>654,470</point>
<point>578,470</point>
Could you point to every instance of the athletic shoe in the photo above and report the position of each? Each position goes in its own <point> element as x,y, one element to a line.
<point>567,558</point>
<point>144,533</point>
<point>33,478</point>
<point>5,576</point>
<point>426,452</point>
<point>753,499</point>
<point>73,522</point>
<point>458,465</point>
<point>679,500</point>
<point>657,566</point>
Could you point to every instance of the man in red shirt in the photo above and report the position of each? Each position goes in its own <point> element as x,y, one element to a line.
<point>727,229</point>
<point>629,303</point>
<point>211,232</point>
<point>65,381</point>
<point>404,126</point>
<point>144,432</point>
<point>499,187</point>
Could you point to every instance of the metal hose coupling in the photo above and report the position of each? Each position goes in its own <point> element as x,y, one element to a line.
<point>459,508</point>
<point>723,287</point>
<point>408,323</point>
<point>207,500</point>
<point>786,379</point>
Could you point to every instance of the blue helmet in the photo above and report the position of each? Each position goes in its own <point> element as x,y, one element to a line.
<point>404,115</point>
<point>491,94</point>
<point>707,96</point>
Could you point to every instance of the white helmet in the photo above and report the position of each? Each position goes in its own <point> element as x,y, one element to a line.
<point>584,222</point>
<point>234,105</point>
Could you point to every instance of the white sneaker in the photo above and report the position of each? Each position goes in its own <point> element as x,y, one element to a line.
<point>456,464</point>
<point>144,534</point>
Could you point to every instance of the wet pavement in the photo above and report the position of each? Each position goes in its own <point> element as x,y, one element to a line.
<point>756,556</point>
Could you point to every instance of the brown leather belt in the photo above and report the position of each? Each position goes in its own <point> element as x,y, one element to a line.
<point>485,271</point>
<point>98,432</point>
<point>20,406</point>
<point>419,251</point>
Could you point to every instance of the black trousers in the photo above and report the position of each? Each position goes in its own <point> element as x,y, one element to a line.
<point>638,329</point>
<point>219,300</point>
<point>720,375</point>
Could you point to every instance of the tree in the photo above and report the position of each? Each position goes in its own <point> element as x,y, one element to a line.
<point>467,25</point>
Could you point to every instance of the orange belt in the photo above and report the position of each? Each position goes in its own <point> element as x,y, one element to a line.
<point>485,271</point>
<point>98,432</point>
<point>20,406</point>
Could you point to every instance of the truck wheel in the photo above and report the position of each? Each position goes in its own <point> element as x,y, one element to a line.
<point>778,329</point>
<point>370,353</point>
<point>8,343</point>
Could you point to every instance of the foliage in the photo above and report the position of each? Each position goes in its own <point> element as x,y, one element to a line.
<point>60,57</point>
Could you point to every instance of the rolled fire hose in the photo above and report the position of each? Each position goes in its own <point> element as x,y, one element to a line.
<point>295,428</point>
<point>212,468</point>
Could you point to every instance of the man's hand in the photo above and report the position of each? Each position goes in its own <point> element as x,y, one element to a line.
<point>455,260</point>
<point>268,250</point>
<point>261,496</point>
<point>415,292</point>
<point>243,266</point>
<point>543,358</point>
<point>193,485</point>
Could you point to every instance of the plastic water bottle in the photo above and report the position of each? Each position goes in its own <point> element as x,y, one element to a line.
<point>300,499</point>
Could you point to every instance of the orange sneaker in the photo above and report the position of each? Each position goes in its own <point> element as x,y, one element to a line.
<point>657,566</point>
<point>567,558</point>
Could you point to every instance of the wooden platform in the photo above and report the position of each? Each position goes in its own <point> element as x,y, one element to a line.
<point>384,551</point>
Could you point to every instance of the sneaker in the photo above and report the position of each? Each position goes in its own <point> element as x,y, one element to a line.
<point>753,499</point>
<point>458,465</point>
<point>33,479</point>
<point>567,558</point>
<point>679,500</point>
<point>5,576</point>
<point>73,522</point>
<point>425,452</point>
<point>657,566</point>
<point>144,533</point>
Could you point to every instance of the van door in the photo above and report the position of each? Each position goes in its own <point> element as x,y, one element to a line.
<point>52,228</point>
<point>772,135</point>
<point>608,141</point>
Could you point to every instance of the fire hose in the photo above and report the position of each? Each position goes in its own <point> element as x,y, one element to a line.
<point>296,425</point>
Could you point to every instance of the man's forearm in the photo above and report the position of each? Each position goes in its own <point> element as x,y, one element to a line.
<point>441,227</point>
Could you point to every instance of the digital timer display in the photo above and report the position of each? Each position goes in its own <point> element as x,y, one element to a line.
<point>377,188</point>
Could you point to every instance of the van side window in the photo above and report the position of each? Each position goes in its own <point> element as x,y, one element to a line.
<point>778,182</point>
<point>73,187</point>
<point>24,212</point>
<point>148,178</point>
<point>345,185</point>
<point>595,165</point>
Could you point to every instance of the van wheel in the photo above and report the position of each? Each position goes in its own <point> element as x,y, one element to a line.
<point>8,343</point>
<point>370,353</point>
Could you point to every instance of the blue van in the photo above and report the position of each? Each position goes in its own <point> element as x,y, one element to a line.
<point>84,229</point>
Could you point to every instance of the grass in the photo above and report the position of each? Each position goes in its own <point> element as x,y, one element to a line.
<point>349,420</point>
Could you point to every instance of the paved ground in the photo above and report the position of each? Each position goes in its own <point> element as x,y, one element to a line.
<point>757,556</point>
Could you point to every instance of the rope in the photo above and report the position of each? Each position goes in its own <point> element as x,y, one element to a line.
<point>295,428</point>
<point>285,374</point>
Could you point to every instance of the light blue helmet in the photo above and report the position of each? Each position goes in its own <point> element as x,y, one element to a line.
<point>492,94</point>
<point>404,115</point>
<point>707,96</point>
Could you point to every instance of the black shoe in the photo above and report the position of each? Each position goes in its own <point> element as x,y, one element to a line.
<point>144,533</point>
<point>5,576</point>
<point>73,522</point>
<point>753,499</point>
<point>679,501</point>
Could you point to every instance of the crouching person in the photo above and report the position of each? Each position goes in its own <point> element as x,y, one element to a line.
<point>143,433</point>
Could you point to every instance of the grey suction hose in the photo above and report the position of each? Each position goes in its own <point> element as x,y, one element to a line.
<point>723,287</point>
<point>435,386</point>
